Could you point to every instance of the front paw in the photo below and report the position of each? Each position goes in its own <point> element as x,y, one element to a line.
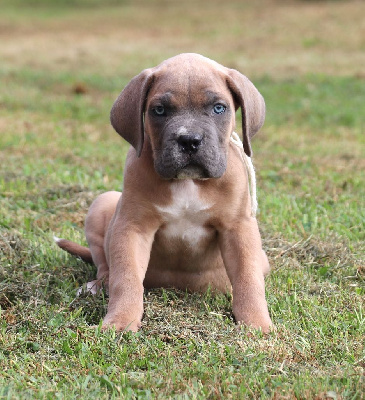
<point>121,323</point>
<point>254,315</point>
<point>264,323</point>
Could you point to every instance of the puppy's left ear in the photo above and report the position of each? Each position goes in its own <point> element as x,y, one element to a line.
<point>127,113</point>
<point>252,106</point>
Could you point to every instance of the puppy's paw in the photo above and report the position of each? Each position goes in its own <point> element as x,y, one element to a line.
<point>92,287</point>
<point>256,317</point>
<point>264,326</point>
<point>123,324</point>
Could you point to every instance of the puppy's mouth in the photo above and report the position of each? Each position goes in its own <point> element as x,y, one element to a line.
<point>171,163</point>
<point>192,171</point>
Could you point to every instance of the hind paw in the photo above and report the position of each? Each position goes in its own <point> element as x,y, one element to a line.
<point>92,287</point>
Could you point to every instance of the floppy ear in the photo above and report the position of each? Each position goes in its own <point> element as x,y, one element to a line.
<point>252,106</point>
<point>126,115</point>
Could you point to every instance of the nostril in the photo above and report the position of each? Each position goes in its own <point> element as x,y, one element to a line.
<point>189,143</point>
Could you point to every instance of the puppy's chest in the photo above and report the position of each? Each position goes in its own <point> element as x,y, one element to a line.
<point>186,216</point>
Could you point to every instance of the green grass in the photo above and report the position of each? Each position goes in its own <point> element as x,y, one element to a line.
<point>58,151</point>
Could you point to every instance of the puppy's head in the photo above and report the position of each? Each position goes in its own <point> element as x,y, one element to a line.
<point>186,108</point>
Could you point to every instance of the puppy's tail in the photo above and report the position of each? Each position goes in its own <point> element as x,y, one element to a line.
<point>75,249</point>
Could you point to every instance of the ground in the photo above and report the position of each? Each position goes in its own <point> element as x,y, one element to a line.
<point>62,65</point>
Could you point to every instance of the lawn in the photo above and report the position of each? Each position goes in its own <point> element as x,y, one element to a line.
<point>62,65</point>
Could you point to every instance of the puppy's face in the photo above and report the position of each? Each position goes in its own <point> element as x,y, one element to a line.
<point>189,120</point>
<point>186,108</point>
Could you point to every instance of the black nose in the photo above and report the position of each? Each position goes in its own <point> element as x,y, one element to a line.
<point>189,143</point>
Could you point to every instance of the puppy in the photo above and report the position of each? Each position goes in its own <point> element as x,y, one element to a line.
<point>185,217</point>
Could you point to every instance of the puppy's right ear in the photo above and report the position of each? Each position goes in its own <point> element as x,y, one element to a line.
<point>127,113</point>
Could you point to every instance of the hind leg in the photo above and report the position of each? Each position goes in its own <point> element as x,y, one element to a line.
<point>96,225</point>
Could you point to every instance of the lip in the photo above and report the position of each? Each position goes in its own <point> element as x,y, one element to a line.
<point>192,171</point>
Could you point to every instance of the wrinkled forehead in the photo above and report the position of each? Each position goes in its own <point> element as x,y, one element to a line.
<point>189,82</point>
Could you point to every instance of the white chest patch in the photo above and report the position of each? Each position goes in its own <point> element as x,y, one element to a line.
<point>186,215</point>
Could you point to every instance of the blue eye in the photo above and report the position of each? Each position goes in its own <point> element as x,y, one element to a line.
<point>219,109</point>
<point>159,110</point>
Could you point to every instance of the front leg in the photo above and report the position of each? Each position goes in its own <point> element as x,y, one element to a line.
<point>246,264</point>
<point>128,249</point>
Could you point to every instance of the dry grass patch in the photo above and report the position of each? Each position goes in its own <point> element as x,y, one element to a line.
<point>266,37</point>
